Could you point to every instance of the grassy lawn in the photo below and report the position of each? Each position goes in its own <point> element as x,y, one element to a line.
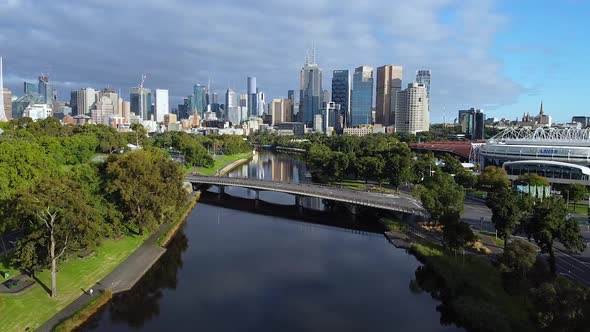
<point>392,224</point>
<point>31,309</point>
<point>222,161</point>
<point>353,184</point>
<point>475,278</point>
<point>580,208</point>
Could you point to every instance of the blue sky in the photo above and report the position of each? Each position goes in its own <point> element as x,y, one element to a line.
<point>546,47</point>
<point>499,55</point>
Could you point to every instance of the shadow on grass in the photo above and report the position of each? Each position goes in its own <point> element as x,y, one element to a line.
<point>42,285</point>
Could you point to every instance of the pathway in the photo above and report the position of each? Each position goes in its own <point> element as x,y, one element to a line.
<point>121,279</point>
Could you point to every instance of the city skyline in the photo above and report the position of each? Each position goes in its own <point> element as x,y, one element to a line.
<point>474,50</point>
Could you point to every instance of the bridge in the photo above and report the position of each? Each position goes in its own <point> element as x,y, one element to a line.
<point>398,203</point>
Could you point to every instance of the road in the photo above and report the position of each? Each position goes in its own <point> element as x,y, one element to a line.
<point>572,265</point>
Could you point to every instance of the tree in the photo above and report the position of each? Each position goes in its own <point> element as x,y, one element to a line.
<point>59,218</point>
<point>338,165</point>
<point>146,186</point>
<point>441,196</point>
<point>457,234</point>
<point>424,166</point>
<point>575,192</point>
<point>398,165</point>
<point>466,179</point>
<point>518,258</point>
<point>493,178</point>
<point>371,168</point>
<point>561,305</point>
<point>549,222</point>
<point>506,211</point>
<point>451,164</point>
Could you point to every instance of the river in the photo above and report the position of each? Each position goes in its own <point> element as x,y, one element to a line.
<point>233,268</point>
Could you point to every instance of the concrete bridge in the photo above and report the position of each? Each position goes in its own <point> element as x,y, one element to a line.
<point>398,203</point>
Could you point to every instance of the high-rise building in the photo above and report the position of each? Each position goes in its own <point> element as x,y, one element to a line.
<point>280,111</point>
<point>389,82</point>
<point>74,102</point>
<point>310,93</point>
<point>126,111</point>
<point>45,89</point>
<point>161,104</point>
<point>332,114</point>
<point>252,97</point>
<point>423,77</point>
<point>86,98</point>
<point>3,115</point>
<point>141,102</point>
<point>472,123</point>
<point>260,104</point>
<point>341,92</point>
<point>7,99</point>
<point>184,108</point>
<point>326,96</point>
<point>362,96</point>
<point>30,88</point>
<point>584,121</point>
<point>104,108</point>
<point>232,107</point>
<point>412,114</point>
<point>199,100</point>
<point>291,97</point>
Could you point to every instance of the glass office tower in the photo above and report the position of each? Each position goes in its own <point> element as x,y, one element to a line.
<point>341,92</point>
<point>362,96</point>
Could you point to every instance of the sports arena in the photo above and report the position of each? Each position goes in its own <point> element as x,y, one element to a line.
<point>560,155</point>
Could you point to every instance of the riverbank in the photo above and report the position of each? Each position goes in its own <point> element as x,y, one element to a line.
<point>225,163</point>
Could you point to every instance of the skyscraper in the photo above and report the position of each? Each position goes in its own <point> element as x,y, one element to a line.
<point>45,89</point>
<point>412,114</point>
<point>86,98</point>
<point>161,105</point>
<point>389,82</point>
<point>341,92</point>
<point>291,97</point>
<point>141,102</point>
<point>74,101</point>
<point>280,111</point>
<point>104,108</point>
<point>362,96</point>
<point>423,77</point>
<point>3,116</point>
<point>199,100</point>
<point>310,93</point>
<point>30,88</point>
<point>260,103</point>
<point>7,95</point>
<point>252,97</point>
<point>232,107</point>
<point>472,123</point>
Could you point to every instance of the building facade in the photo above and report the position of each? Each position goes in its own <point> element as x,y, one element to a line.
<point>252,97</point>
<point>161,103</point>
<point>280,111</point>
<point>389,82</point>
<point>310,91</point>
<point>7,102</point>
<point>472,123</point>
<point>141,102</point>
<point>362,96</point>
<point>198,100</point>
<point>341,92</point>
<point>423,77</point>
<point>232,107</point>
<point>412,113</point>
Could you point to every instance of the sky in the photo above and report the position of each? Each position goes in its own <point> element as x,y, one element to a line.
<point>504,57</point>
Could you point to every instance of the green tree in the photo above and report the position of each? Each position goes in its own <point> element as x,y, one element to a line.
<point>506,209</point>
<point>338,165</point>
<point>146,186</point>
<point>548,223</point>
<point>466,179</point>
<point>575,192</point>
<point>371,168</point>
<point>493,178</point>
<point>441,196</point>
<point>398,165</point>
<point>59,218</point>
<point>319,157</point>
<point>424,166</point>
<point>451,164</point>
<point>518,258</point>
<point>561,305</point>
<point>457,234</point>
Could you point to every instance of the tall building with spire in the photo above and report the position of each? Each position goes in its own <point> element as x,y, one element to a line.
<point>310,89</point>
<point>2,112</point>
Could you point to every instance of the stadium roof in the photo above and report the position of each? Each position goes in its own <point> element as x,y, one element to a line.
<point>543,136</point>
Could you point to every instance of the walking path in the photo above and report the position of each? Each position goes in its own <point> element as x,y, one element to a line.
<point>122,278</point>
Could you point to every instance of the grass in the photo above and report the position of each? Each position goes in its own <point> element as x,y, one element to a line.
<point>492,237</point>
<point>393,225</point>
<point>474,278</point>
<point>33,308</point>
<point>77,319</point>
<point>353,184</point>
<point>222,161</point>
<point>580,208</point>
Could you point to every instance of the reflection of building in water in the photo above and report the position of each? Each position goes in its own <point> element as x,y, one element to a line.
<point>281,171</point>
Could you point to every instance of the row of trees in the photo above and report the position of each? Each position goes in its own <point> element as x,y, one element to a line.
<point>65,202</point>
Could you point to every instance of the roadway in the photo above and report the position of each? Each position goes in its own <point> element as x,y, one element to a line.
<point>393,202</point>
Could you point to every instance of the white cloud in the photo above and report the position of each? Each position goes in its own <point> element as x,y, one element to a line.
<point>178,43</point>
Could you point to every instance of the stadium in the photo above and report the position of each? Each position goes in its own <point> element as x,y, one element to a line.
<point>560,155</point>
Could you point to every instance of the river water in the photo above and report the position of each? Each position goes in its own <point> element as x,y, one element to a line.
<point>235,267</point>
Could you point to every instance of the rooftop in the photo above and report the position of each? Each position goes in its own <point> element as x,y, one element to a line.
<point>542,136</point>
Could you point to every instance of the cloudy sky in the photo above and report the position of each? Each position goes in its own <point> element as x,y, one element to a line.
<point>502,56</point>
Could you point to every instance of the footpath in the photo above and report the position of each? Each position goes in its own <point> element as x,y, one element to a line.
<point>121,279</point>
